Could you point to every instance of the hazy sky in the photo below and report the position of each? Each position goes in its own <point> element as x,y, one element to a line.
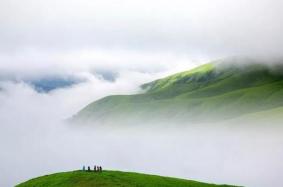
<point>38,34</point>
<point>196,26</point>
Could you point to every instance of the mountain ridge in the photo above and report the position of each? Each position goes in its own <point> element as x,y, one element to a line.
<point>210,92</point>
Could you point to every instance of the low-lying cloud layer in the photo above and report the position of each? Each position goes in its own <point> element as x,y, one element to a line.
<point>35,141</point>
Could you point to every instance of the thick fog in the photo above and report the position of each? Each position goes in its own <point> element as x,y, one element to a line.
<point>35,140</point>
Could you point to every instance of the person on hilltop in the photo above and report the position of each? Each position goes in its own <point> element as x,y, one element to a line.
<point>94,169</point>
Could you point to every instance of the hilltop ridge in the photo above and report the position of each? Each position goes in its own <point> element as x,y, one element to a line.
<point>111,179</point>
<point>211,92</point>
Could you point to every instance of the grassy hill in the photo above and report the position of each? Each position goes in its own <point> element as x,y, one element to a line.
<point>211,92</point>
<point>110,179</point>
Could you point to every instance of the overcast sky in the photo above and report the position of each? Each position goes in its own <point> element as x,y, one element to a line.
<point>123,33</point>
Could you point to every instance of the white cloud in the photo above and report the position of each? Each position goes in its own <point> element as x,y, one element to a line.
<point>34,63</point>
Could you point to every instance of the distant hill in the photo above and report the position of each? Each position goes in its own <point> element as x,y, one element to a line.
<point>211,92</point>
<point>48,84</point>
<point>110,179</point>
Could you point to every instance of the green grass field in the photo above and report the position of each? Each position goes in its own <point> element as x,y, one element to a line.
<point>110,179</point>
<point>206,93</point>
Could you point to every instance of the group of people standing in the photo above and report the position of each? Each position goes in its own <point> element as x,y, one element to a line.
<point>95,168</point>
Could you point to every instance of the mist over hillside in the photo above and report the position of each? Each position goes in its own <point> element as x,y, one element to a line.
<point>238,151</point>
<point>221,90</point>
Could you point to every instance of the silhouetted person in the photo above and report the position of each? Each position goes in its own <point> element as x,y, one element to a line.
<point>100,168</point>
<point>88,168</point>
<point>94,169</point>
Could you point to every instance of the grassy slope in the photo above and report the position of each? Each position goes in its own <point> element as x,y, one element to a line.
<point>265,117</point>
<point>110,178</point>
<point>225,92</point>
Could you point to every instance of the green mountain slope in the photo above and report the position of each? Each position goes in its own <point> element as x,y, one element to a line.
<point>210,92</point>
<point>110,179</point>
